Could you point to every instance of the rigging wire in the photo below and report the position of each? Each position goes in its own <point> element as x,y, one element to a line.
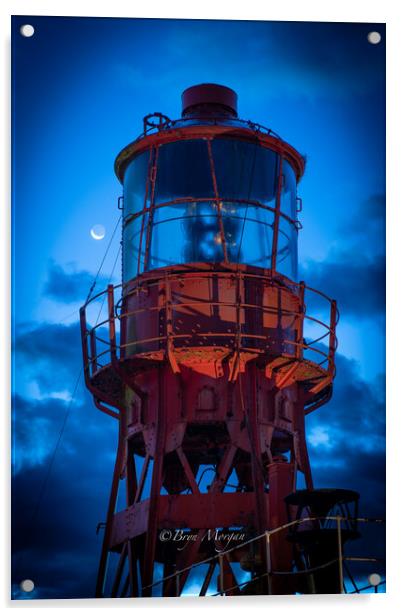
<point>103,260</point>
<point>108,283</point>
<point>93,285</point>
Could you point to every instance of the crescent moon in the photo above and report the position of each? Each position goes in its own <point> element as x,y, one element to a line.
<point>97,232</point>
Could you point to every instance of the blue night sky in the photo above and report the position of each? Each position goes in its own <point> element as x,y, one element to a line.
<point>81,87</point>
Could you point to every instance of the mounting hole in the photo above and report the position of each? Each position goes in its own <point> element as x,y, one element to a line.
<point>27,30</point>
<point>27,585</point>
<point>374,38</point>
<point>374,579</point>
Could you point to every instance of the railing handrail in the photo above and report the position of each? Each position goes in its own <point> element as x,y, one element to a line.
<point>159,272</point>
<point>296,316</point>
<point>170,124</point>
<point>267,533</point>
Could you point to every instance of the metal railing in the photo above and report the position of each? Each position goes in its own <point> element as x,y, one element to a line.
<point>269,573</point>
<point>101,340</point>
<point>165,123</point>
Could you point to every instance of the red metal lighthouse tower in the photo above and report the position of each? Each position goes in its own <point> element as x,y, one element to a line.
<point>204,358</point>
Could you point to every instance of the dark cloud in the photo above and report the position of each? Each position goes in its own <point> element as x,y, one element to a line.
<point>35,424</point>
<point>308,59</point>
<point>354,275</point>
<point>355,281</point>
<point>53,530</point>
<point>69,286</point>
<point>346,441</point>
<point>347,437</point>
<point>49,354</point>
<point>352,467</point>
<point>367,226</point>
<point>54,539</point>
<point>333,52</point>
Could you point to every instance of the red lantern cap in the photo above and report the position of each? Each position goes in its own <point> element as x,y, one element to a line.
<point>208,98</point>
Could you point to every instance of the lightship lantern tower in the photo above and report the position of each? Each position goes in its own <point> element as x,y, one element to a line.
<point>204,358</point>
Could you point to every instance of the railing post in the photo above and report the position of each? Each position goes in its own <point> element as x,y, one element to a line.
<point>268,560</point>
<point>299,348</point>
<point>84,342</point>
<point>169,327</point>
<point>234,363</point>
<point>340,555</point>
<point>221,578</point>
<point>112,325</point>
<point>92,342</point>
<point>332,337</point>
